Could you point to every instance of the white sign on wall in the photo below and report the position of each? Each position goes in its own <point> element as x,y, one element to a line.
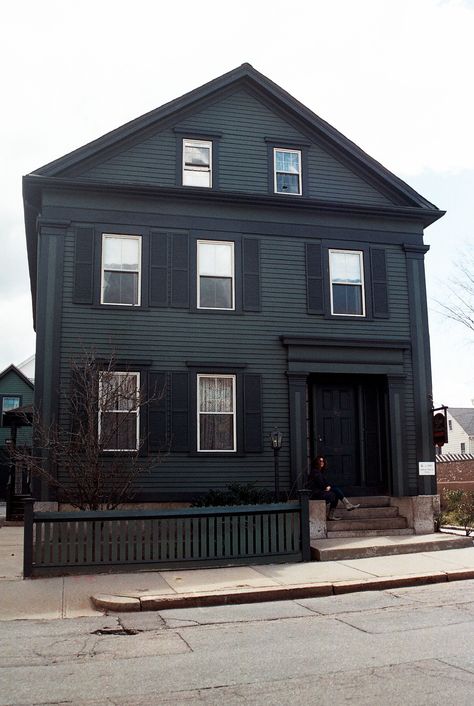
<point>426,468</point>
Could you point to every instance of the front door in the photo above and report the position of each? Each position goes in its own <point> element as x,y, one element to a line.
<point>349,429</point>
<point>336,431</point>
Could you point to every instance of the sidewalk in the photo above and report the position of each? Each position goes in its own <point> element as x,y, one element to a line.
<point>70,596</point>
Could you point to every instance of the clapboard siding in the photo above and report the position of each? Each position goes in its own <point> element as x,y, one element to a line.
<point>12,384</point>
<point>170,337</point>
<point>243,121</point>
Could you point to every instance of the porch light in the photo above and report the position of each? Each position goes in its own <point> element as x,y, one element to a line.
<point>276,440</point>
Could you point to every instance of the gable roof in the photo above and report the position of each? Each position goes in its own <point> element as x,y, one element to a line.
<point>464,417</point>
<point>60,173</point>
<point>13,369</point>
<point>246,75</point>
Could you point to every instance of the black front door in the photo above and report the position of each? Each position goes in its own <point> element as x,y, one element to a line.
<point>336,432</point>
<point>349,429</point>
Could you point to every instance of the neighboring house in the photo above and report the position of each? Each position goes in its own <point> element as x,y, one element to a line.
<point>460,431</point>
<point>16,390</point>
<point>238,251</point>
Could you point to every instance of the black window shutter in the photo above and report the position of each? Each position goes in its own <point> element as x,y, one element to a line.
<point>252,413</point>
<point>158,269</point>
<point>158,437</point>
<point>179,412</point>
<point>180,271</point>
<point>84,265</point>
<point>251,274</point>
<point>378,268</point>
<point>314,278</point>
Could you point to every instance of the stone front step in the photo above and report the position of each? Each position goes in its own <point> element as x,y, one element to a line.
<point>365,513</point>
<point>370,533</point>
<point>371,501</point>
<point>334,549</point>
<point>371,523</point>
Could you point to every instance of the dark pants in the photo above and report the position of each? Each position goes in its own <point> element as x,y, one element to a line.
<point>332,496</point>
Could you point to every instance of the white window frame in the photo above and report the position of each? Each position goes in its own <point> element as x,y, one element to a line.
<point>208,170</point>
<point>300,173</point>
<point>198,269</point>
<point>121,236</point>
<point>361,285</point>
<point>234,413</point>
<point>120,411</point>
<point>10,397</point>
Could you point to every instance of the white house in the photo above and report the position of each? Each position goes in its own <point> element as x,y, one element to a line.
<point>460,431</point>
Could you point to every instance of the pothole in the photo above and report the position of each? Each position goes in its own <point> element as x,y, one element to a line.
<point>116,631</point>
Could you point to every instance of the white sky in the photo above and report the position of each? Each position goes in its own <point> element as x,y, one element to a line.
<point>395,76</point>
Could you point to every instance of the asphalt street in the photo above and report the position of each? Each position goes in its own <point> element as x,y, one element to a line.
<point>401,646</point>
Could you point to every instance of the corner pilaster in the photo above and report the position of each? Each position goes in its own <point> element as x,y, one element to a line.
<point>421,361</point>
<point>51,236</point>
<point>297,389</point>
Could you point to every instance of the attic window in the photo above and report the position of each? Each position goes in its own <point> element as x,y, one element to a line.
<point>197,163</point>
<point>287,166</point>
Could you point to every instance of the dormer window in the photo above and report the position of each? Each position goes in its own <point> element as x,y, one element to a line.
<point>287,171</point>
<point>197,163</point>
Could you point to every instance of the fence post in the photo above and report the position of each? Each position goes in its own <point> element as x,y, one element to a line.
<point>28,538</point>
<point>304,526</point>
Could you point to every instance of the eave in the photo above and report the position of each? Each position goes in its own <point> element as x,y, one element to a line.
<point>34,184</point>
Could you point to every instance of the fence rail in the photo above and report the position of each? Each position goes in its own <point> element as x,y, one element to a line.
<point>83,542</point>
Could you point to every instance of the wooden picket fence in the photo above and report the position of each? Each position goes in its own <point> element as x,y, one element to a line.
<point>58,543</point>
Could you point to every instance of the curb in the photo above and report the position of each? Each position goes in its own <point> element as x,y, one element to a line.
<point>273,593</point>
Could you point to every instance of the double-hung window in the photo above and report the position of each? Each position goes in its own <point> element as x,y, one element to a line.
<point>216,427</point>
<point>215,280</point>
<point>346,268</point>
<point>119,411</point>
<point>197,163</point>
<point>121,269</point>
<point>287,171</point>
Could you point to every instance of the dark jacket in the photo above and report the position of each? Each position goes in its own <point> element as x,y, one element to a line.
<point>317,483</point>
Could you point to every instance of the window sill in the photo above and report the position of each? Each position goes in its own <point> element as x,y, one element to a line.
<point>120,307</point>
<point>215,454</point>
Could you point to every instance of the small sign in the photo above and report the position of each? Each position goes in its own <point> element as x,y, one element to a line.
<point>426,468</point>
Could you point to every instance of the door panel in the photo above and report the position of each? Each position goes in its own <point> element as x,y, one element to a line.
<point>336,432</point>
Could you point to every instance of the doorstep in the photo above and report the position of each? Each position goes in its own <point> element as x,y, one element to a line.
<point>337,549</point>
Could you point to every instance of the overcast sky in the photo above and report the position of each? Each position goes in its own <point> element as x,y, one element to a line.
<point>395,76</point>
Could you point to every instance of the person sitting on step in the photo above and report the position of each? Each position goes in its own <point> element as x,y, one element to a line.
<point>322,490</point>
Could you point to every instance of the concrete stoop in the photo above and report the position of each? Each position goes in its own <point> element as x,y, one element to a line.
<point>336,549</point>
<point>381,526</point>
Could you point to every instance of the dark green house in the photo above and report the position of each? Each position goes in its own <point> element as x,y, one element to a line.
<point>16,392</point>
<point>237,250</point>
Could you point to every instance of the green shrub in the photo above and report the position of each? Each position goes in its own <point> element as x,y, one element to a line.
<point>460,508</point>
<point>235,494</point>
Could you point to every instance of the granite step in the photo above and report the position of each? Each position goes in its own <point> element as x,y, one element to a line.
<point>370,533</point>
<point>371,500</point>
<point>370,523</point>
<point>365,513</point>
<point>334,549</point>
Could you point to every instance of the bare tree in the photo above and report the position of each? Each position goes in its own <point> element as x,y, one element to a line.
<point>460,304</point>
<point>92,456</point>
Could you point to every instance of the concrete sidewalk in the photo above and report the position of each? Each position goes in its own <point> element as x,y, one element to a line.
<point>71,596</point>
